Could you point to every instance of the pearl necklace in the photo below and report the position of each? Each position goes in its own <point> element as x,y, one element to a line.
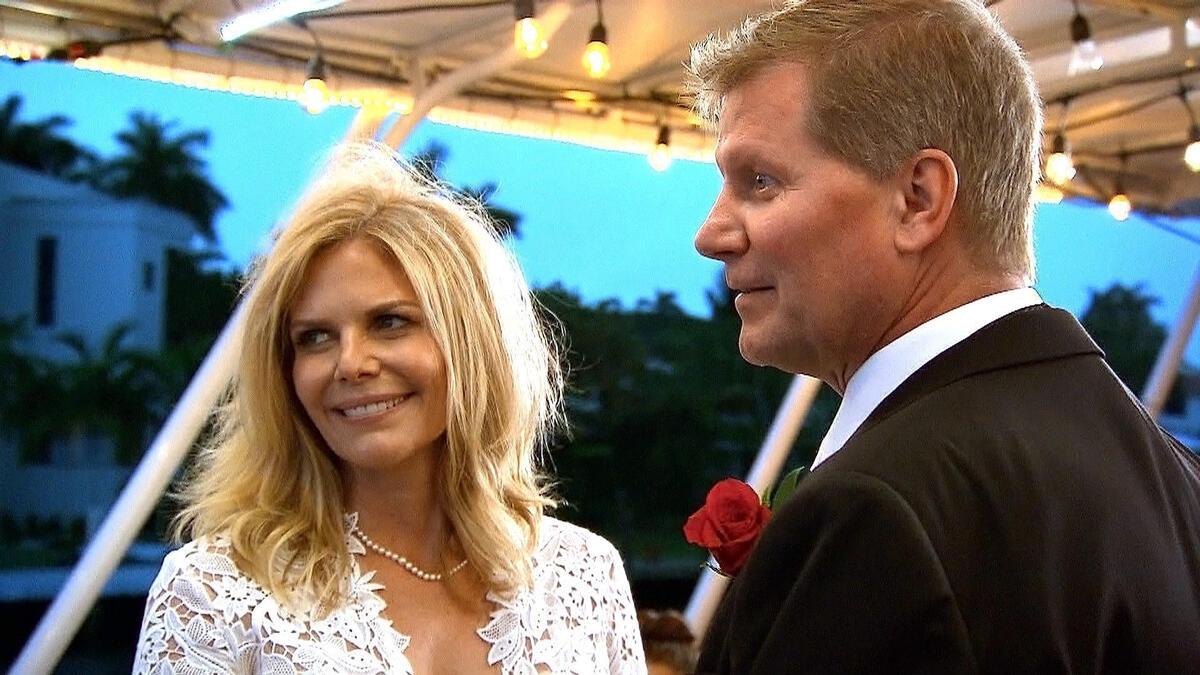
<point>405,562</point>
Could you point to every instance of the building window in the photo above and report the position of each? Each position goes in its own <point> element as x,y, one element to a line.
<point>148,276</point>
<point>47,273</point>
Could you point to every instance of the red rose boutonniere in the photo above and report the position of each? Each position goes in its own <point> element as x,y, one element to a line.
<point>733,517</point>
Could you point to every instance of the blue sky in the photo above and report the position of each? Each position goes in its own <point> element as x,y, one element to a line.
<point>601,222</point>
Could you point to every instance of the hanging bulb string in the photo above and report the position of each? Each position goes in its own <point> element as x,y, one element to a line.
<point>1187,105</point>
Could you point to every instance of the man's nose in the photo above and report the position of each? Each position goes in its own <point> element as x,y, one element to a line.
<point>721,236</point>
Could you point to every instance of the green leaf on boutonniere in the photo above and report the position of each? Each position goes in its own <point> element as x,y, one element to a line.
<point>720,572</point>
<point>787,485</point>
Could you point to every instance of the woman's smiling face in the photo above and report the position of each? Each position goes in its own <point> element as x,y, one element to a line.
<point>366,369</point>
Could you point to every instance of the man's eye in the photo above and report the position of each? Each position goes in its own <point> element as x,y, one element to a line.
<point>311,338</point>
<point>763,182</point>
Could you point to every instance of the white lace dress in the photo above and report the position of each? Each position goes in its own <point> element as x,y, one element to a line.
<point>204,616</point>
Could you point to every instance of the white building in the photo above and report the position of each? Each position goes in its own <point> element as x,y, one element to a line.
<point>77,261</point>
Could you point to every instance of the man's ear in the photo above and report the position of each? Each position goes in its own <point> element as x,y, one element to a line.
<point>929,182</point>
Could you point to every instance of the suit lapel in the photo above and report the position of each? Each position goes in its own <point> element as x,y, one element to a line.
<point>1030,335</point>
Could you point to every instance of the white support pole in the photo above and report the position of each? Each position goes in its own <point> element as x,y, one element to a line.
<point>366,123</point>
<point>1166,367</point>
<point>771,457</point>
<point>147,484</point>
<point>552,19</point>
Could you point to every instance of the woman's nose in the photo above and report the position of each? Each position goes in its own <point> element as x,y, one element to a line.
<point>356,359</point>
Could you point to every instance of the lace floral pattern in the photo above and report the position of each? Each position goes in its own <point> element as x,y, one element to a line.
<point>204,616</point>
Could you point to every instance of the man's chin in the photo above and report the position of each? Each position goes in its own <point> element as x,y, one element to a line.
<point>753,352</point>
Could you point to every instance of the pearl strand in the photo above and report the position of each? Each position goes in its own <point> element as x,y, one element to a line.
<point>405,562</point>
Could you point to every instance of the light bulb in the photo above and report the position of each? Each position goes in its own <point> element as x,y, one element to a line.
<point>529,38</point>
<point>595,56</point>
<point>1047,194</point>
<point>1060,169</point>
<point>595,59</point>
<point>314,96</point>
<point>1191,155</point>
<point>1119,206</point>
<point>1085,55</point>
<point>660,156</point>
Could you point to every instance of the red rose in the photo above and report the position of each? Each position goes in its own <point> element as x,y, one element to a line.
<point>728,524</point>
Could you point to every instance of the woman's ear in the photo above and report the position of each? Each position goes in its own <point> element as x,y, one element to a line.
<point>929,181</point>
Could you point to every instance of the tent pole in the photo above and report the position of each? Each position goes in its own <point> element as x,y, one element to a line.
<point>771,457</point>
<point>1166,366</point>
<point>449,85</point>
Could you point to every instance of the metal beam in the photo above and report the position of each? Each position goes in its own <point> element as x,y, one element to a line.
<point>450,85</point>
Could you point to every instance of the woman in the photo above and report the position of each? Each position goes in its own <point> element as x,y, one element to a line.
<point>370,502</point>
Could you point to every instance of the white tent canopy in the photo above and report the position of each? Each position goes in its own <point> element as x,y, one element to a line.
<point>391,52</point>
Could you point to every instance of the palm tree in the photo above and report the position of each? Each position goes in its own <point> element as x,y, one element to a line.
<point>39,145</point>
<point>113,392</point>
<point>32,390</point>
<point>163,166</point>
<point>429,163</point>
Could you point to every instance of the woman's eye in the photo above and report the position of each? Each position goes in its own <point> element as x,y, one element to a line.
<point>311,338</point>
<point>391,322</point>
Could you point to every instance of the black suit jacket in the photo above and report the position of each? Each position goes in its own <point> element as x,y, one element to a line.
<point>1010,508</point>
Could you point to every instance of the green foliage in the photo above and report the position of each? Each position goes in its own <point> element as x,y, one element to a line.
<point>109,393</point>
<point>163,166</point>
<point>39,145</point>
<point>785,487</point>
<point>661,407</point>
<point>1119,320</point>
<point>155,162</point>
<point>429,162</point>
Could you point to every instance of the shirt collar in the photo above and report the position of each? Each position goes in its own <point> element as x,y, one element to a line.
<point>887,368</point>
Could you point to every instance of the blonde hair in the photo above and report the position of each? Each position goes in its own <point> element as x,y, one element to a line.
<point>266,481</point>
<point>893,77</point>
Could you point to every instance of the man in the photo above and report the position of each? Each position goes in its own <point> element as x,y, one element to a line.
<point>989,498</point>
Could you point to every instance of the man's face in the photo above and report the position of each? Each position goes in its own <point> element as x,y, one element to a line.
<point>807,240</point>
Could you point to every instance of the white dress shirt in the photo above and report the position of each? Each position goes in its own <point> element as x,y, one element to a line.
<point>884,370</point>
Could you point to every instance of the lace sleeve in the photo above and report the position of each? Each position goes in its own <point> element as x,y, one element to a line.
<point>625,653</point>
<point>183,629</point>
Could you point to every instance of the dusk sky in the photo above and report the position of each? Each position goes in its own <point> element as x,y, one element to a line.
<point>601,222</point>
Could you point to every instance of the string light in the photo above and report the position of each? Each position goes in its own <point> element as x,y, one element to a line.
<point>660,156</point>
<point>596,59</point>
<point>1085,55</point>
<point>314,97</point>
<point>528,37</point>
<point>1120,206</point>
<point>1047,194</point>
<point>1191,155</point>
<point>1060,168</point>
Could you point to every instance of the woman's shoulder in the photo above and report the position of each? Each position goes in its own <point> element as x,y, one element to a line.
<point>203,574</point>
<point>204,557</point>
<point>562,543</point>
